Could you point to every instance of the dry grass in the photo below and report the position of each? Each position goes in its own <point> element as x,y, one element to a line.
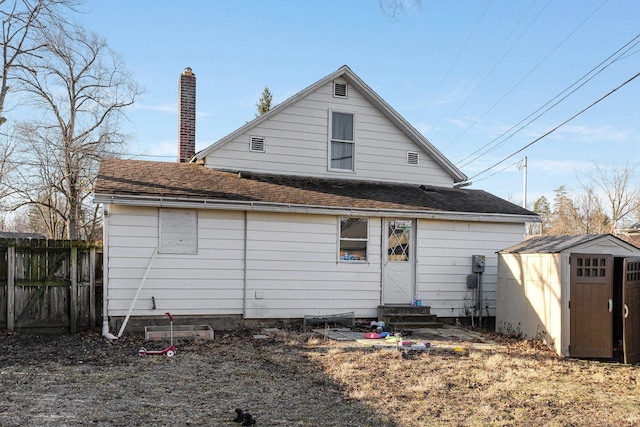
<point>297,379</point>
<point>522,384</point>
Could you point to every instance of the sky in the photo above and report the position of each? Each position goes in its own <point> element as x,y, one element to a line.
<point>480,79</point>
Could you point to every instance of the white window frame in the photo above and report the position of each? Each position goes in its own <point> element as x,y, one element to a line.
<point>331,141</point>
<point>344,257</point>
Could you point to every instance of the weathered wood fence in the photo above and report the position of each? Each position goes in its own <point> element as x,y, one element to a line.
<point>49,284</point>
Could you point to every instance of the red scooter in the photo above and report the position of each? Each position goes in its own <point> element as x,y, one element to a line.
<point>169,351</point>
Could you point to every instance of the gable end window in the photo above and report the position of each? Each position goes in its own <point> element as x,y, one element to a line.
<point>354,237</point>
<point>339,90</point>
<point>342,141</point>
<point>413,158</point>
<point>256,144</point>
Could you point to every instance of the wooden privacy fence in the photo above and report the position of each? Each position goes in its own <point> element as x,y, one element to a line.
<point>49,284</point>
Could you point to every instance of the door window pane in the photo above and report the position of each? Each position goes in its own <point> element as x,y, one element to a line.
<point>399,245</point>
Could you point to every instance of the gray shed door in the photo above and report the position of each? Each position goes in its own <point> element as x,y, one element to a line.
<point>591,306</point>
<point>631,309</point>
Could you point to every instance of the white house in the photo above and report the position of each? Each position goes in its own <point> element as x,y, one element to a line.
<point>331,202</point>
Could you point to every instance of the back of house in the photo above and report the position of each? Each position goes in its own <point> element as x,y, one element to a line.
<point>331,202</point>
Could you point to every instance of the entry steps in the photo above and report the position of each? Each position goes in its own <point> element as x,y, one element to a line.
<point>408,317</point>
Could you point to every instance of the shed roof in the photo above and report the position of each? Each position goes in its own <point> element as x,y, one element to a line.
<point>554,244</point>
<point>155,182</point>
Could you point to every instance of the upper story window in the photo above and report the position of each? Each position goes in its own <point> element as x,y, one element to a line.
<point>342,142</point>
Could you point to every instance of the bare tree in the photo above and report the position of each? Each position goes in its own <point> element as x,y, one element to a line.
<point>591,211</point>
<point>393,8</point>
<point>78,88</point>
<point>22,22</point>
<point>620,189</point>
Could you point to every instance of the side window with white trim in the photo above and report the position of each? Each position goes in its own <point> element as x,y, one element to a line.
<point>354,239</point>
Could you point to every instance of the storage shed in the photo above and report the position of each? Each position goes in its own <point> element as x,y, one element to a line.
<point>580,295</point>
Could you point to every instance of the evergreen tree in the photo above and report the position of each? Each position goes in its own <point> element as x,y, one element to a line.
<point>542,207</point>
<point>565,219</point>
<point>264,103</point>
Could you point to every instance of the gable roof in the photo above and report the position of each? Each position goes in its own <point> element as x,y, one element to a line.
<point>555,244</point>
<point>631,238</point>
<point>368,93</point>
<point>137,182</point>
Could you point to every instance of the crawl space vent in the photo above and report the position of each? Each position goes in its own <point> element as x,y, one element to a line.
<point>339,90</point>
<point>413,158</point>
<point>257,144</point>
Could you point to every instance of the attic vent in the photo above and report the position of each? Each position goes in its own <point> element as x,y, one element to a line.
<point>413,158</point>
<point>257,144</point>
<point>339,90</point>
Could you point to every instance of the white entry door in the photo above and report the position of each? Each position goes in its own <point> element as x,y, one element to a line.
<point>398,265</point>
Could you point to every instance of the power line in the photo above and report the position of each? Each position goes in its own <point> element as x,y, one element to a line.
<point>526,75</point>
<point>498,171</point>
<point>556,128</point>
<point>455,61</point>
<point>622,55</point>
<point>450,114</point>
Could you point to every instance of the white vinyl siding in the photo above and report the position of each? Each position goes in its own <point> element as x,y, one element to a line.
<point>292,269</point>
<point>195,284</point>
<point>444,256</point>
<point>298,145</point>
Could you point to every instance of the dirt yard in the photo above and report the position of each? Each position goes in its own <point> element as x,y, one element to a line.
<point>300,379</point>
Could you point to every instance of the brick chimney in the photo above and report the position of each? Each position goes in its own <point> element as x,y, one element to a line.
<point>186,116</point>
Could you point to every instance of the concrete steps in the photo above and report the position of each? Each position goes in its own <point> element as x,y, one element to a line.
<point>408,317</point>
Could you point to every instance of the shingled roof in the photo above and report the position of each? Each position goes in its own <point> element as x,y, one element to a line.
<point>553,244</point>
<point>149,180</point>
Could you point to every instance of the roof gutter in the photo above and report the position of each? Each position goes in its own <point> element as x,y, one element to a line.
<point>176,202</point>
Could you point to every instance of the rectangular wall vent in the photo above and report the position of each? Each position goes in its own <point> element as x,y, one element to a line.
<point>413,158</point>
<point>339,90</point>
<point>257,144</point>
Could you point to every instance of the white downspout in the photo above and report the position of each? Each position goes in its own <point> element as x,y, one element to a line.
<point>105,274</point>
<point>244,279</point>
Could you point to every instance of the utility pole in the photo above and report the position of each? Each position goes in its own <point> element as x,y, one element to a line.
<point>524,190</point>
